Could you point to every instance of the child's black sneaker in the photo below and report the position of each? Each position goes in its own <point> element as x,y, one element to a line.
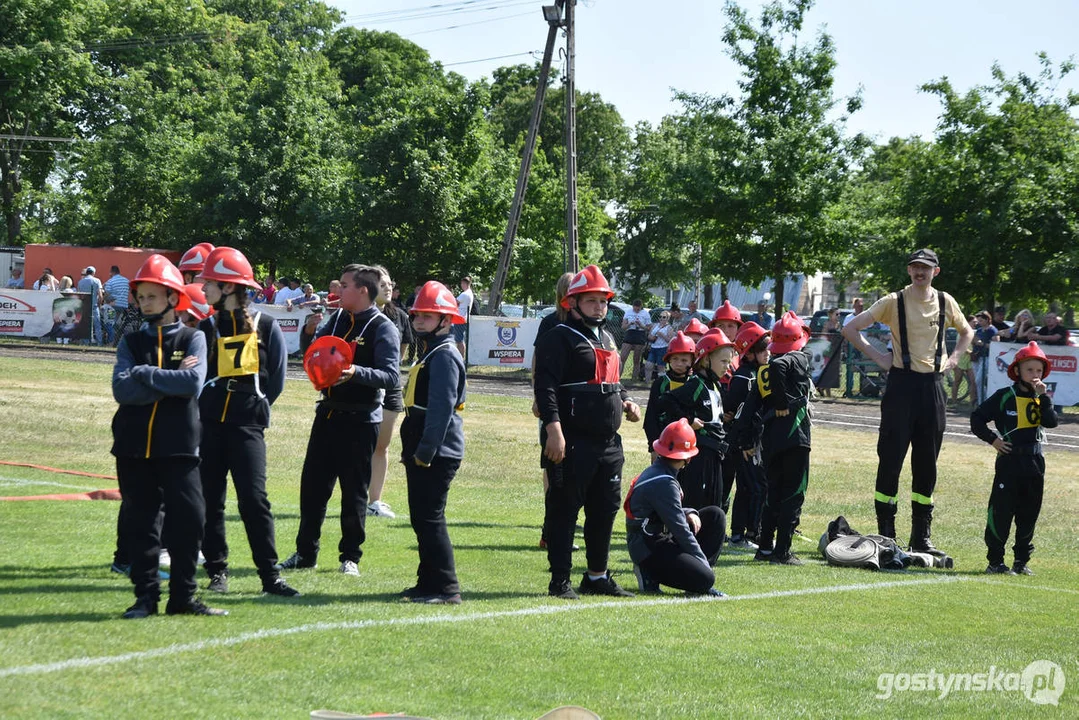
<point>144,607</point>
<point>999,569</point>
<point>219,582</point>
<point>560,587</point>
<point>604,586</point>
<point>280,588</point>
<point>1021,569</point>
<point>194,606</point>
<point>788,559</point>
<point>645,582</point>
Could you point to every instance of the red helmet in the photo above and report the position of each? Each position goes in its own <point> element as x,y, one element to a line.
<point>194,302</point>
<point>587,280</point>
<point>696,327</point>
<point>788,334</point>
<point>228,265</point>
<point>748,336</point>
<point>326,359</point>
<point>158,270</point>
<point>681,344</point>
<point>712,341</point>
<point>434,297</point>
<point>194,259</point>
<point>1031,352</point>
<point>677,441</point>
<point>727,312</point>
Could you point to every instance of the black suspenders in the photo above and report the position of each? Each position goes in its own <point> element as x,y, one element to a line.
<point>904,347</point>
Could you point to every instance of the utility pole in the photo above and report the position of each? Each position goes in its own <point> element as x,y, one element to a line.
<point>571,141</point>
<point>552,14</point>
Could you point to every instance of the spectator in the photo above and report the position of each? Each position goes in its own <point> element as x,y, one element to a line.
<point>858,306</point>
<point>677,320</point>
<point>408,337</point>
<point>1052,332</point>
<point>293,291</point>
<point>1022,328</point>
<point>47,281</point>
<point>693,313</point>
<point>269,289</point>
<point>307,299</point>
<point>984,333</point>
<point>635,337</point>
<point>998,318</point>
<point>465,302</point>
<point>92,286</point>
<point>117,292</point>
<point>964,369</point>
<point>831,327</point>
<point>16,281</point>
<point>333,297</point>
<point>660,336</point>
<point>762,317</point>
<point>67,284</point>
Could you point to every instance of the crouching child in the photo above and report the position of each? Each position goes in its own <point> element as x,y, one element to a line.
<point>670,544</point>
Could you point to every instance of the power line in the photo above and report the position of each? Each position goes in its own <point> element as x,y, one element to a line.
<point>461,25</point>
<point>423,16</point>
<point>428,10</point>
<point>37,138</point>
<point>496,57</point>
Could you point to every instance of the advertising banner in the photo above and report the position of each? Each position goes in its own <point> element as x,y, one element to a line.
<point>62,317</point>
<point>1063,380</point>
<point>501,341</point>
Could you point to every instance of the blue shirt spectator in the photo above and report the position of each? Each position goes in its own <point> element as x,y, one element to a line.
<point>118,288</point>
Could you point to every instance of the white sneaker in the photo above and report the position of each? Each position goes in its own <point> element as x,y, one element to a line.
<point>164,559</point>
<point>380,509</point>
<point>202,559</point>
<point>350,568</point>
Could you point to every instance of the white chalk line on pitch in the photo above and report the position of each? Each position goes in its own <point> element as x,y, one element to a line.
<point>443,618</point>
<point>21,482</point>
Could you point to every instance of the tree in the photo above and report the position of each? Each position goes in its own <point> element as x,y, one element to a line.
<point>774,159</point>
<point>44,80</point>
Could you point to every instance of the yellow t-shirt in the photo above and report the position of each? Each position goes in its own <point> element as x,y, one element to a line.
<point>922,319</point>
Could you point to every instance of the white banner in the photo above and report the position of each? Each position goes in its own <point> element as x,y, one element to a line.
<point>501,341</point>
<point>1063,380</point>
<point>36,314</point>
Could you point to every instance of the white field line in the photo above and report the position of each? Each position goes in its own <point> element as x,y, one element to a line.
<point>20,482</point>
<point>439,619</point>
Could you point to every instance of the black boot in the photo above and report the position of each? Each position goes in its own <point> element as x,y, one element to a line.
<point>885,518</point>
<point>920,530</point>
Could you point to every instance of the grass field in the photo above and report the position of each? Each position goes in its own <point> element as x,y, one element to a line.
<point>809,641</point>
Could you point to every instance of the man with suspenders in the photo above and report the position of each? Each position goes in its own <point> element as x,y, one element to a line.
<point>347,419</point>
<point>912,410</point>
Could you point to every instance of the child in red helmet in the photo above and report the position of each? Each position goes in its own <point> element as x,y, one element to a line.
<point>157,378</point>
<point>679,358</point>
<point>780,400</point>
<point>699,401</point>
<point>751,343</point>
<point>1019,413</point>
<point>668,543</point>
<point>433,441</point>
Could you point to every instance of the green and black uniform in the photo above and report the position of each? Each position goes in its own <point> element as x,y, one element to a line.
<point>1019,479</point>
<point>700,399</point>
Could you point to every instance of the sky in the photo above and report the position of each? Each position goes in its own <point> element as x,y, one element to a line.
<point>635,54</point>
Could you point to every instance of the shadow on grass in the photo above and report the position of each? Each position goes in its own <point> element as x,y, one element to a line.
<point>10,621</point>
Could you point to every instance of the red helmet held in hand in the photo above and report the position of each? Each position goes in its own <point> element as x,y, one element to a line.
<point>727,312</point>
<point>713,340</point>
<point>588,280</point>
<point>434,297</point>
<point>228,265</point>
<point>325,360</point>
<point>680,344</point>
<point>159,270</point>
<point>788,334</point>
<point>677,441</point>
<point>194,259</point>
<point>748,336</point>
<point>1031,352</point>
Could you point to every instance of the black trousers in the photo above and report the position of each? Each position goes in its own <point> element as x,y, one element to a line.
<point>427,491</point>
<point>788,478</point>
<point>672,566</point>
<point>911,416</point>
<point>730,470</point>
<point>241,450</point>
<point>145,485</point>
<point>122,556</point>
<point>749,499</point>
<point>1017,495</point>
<point>591,478</point>
<point>340,448</point>
<point>702,480</point>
